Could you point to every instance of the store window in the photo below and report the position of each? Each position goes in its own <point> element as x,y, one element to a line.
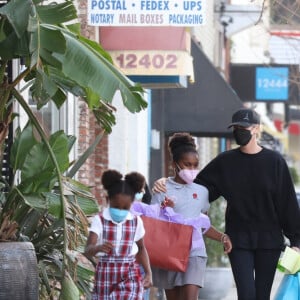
<point>285,14</point>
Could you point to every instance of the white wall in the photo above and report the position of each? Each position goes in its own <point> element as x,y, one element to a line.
<point>252,44</point>
<point>128,142</point>
<point>206,33</point>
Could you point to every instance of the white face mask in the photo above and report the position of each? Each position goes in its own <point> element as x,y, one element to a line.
<point>187,175</point>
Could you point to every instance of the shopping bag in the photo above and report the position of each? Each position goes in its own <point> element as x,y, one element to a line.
<point>289,261</point>
<point>289,288</point>
<point>168,243</point>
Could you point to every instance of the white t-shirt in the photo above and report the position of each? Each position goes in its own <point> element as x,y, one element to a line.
<point>96,227</point>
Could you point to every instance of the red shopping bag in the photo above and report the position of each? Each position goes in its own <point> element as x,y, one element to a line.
<point>168,243</point>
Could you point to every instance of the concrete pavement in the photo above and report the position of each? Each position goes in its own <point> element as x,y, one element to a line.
<point>156,295</point>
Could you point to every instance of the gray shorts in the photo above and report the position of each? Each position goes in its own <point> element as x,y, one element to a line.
<point>194,274</point>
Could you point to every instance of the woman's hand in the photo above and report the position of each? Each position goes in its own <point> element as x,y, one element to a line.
<point>226,243</point>
<point>160,186</point>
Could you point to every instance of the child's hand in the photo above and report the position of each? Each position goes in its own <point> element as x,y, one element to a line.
<point>167,203</point>
<point>147,282</point>
<point>106,247</point>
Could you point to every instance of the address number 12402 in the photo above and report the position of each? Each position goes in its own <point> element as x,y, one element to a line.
<point>156,61</point>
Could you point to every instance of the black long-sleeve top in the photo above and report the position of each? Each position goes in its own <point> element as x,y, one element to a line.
<point>261,200</point>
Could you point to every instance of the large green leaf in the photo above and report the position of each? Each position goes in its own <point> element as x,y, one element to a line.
<point>104,115</point>
<point>54,204</point>
<point>69,289</point>
<point>38,160</point>
<point>67,83</point>
<point>23,142</point>
<point>88,206</point>
<point>77,187</point>
<point>17,12</point>
<point>57,14</point>
<point>36,201</point>
<point>52,40</point>
<point>59,143</point>
<point>43,89</point>
<point>38,182</point>
<point>49,202</point>
<point>13,47</point>
<point>88,68</point>
<point>44,40</point>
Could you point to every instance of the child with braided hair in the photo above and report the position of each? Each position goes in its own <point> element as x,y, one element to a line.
<point>116,239</point>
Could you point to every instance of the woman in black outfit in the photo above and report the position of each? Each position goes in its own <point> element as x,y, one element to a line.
<point>261,206</point>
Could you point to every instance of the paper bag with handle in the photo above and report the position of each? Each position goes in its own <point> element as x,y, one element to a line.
<point>168,243</point>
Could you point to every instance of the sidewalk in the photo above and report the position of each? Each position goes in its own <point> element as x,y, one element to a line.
<point>155,295</point>
<point>232,293</point>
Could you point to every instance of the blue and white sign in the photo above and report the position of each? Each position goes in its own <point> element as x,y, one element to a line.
<point>272,83</point>
<point>183,13</point>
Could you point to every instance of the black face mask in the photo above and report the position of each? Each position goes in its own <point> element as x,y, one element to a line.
<point>242,136</point>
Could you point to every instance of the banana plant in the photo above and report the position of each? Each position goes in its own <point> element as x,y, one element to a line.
<point>42,204</point>
<point>33,206</point>
<point>57,61</point>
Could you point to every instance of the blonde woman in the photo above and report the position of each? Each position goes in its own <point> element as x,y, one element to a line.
<point>261,205</point>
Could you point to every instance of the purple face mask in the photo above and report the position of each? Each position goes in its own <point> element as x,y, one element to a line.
<point>188,175</point>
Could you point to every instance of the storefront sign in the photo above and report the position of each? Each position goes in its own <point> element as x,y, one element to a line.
<point>265,83</point>
<point>182,13</point>
<point>272,83</point>
<point>153,56</point>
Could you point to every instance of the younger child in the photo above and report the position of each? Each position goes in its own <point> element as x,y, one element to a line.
<point>116,238</point>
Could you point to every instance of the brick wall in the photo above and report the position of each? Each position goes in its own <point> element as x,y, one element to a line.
<point>92,170</point>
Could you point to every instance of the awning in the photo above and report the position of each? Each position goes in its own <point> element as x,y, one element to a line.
<point>156,57</point>
<point>204,108</point>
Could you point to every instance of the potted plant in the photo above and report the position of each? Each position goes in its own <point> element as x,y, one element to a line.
<point>42,204</point>
<point>218,275</point>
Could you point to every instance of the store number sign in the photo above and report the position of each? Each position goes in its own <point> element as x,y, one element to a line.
<point>272,83</point>
<point>153,62</point>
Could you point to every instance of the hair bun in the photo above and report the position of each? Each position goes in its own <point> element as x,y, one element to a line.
<point>136,181</point>
<point>181,139</point>
<point>110,178</point>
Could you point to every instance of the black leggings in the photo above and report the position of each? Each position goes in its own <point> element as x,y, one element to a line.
<point>253,272</point>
